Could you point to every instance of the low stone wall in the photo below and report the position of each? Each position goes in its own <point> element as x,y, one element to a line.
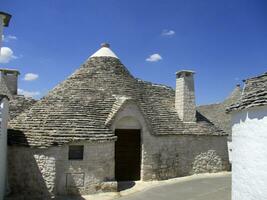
<point>167,157</point>
<point>45,173</point>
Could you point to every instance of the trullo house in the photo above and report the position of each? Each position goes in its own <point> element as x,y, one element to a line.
<point>102,125</point>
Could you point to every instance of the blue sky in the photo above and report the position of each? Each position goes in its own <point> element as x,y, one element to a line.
<point>223,41</point>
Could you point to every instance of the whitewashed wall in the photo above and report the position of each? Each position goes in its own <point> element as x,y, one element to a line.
<point>249,162</point>
<point>3,145</point>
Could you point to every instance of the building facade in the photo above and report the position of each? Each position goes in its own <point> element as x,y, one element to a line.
<point>101,125</point>
<point>249,128</point>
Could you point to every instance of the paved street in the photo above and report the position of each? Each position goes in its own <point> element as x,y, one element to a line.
<point>211,188</point>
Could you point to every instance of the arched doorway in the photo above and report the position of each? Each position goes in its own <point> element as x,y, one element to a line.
<point>128,150</point>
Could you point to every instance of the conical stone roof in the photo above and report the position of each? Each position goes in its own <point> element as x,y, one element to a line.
<point>216,112</point>
<point>79,107</point>
<point>253,95</point>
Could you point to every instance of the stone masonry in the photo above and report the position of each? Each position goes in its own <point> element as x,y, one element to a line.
<point>45,173</point>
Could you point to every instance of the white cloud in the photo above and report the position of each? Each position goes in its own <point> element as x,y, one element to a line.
<point>30,77</point>
<point>168,32</point>
<point>6,55</point>
<point>8,38</point>
<point>154,58</point>
<point>28,93</point>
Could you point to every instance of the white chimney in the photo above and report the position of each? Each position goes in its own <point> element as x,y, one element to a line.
<point>185,96</point>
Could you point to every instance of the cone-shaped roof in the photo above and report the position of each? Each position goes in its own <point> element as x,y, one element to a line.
<point>216,112</point>
<point>79,107</point>
<point>254,94</point>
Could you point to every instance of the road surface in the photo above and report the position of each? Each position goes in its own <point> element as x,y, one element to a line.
<point>210,188</point>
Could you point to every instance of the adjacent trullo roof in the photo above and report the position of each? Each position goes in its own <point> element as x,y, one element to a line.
<point>254,94</point>
<point>83,106</point>
<point>17,103</point>
<point>216,112</point>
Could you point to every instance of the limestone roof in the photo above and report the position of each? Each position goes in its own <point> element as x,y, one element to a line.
<point>254,94</point>
<point>216,112</point>
<point>18,104</point>
<point>83,106</point>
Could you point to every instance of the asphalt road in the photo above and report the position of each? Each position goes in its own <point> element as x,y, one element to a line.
<point>215,188</point>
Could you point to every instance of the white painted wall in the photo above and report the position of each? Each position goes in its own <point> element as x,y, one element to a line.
<point>249,162</point>
<point>3,145</point>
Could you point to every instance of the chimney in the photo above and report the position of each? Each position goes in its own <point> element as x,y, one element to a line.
<point>10,77</point>
<point>4,21</point>
<point>185,96</point>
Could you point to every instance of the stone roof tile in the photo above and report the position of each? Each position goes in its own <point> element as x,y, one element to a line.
<point>216,112</point>
<point>254,94</point>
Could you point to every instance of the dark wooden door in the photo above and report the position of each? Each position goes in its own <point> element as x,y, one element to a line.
<point>127,155</point>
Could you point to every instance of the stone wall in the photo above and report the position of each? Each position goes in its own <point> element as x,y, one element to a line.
<point>44,173</point>
<point>174,156</point>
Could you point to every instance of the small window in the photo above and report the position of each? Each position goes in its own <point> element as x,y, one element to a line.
<point>76,152</point>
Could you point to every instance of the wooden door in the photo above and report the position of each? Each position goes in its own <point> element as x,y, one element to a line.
<point>127,155</point>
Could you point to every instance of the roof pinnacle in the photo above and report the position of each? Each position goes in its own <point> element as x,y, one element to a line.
<point>104,44</point>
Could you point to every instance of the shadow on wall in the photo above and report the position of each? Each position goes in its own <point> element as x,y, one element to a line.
<point>251,114</point>
<point>257,115</point>
<point>30,174</point>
